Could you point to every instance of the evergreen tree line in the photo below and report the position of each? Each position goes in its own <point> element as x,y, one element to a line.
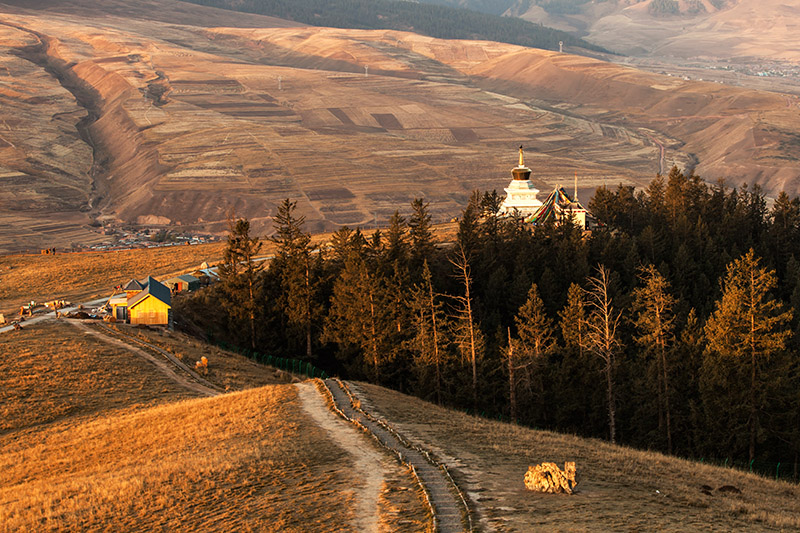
<point>439,21</point>
<point>670,327</point>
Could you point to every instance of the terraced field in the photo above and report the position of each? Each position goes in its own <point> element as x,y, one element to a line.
<point>164,114</point>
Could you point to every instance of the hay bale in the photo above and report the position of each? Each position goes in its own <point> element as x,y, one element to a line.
<point>547,477</point>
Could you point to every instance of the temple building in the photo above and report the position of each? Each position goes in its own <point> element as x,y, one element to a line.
<point>558,206</point>
<point>520,194</point>
<point>521,200</point>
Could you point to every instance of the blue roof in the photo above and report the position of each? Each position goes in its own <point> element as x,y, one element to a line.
<point>154,289</point>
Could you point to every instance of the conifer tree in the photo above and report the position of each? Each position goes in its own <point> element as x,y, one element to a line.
<point>602,335</point>
<point>299,270</point>
<point>575,390</point>
<point>746,328</point>
<point>573,319</point>
<point>422,239</point>
<point>655,322</point>
<point>239,272</point>
<point>535,332</point>
<point>359,314</point>
<point>394,267</point>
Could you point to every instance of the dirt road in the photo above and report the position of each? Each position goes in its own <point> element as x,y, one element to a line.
<point>370,462</point>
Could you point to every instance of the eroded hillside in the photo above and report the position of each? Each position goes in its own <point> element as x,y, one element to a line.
<point>163,118</point>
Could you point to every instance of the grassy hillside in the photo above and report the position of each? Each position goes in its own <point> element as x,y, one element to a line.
<point>82,276</point>
<point>53,372</point>
<point>94,438</point>
<point>225,463</point>
<point>620,488</point>
<point>434,20</point>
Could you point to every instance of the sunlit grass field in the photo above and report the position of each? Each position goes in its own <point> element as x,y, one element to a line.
<point>84,276</point>
<point>619,488</point>
<point>95,437</point>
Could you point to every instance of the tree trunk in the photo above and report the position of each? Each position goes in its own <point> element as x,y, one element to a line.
<point>512,393</point>
<point>753,410</point>
<point>472,355</point>
<point>373,334</point>
<point>308,308</point>
<point>435,345</point>
<point>612,423</point>
<point>252,305</point>
<point>666,398</point>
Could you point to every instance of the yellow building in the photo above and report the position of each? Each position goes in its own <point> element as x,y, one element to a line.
<point>145,302</point>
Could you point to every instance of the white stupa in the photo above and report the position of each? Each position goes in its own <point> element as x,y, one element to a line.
<point>520,193</point>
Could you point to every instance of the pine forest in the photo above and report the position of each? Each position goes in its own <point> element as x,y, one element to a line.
<point>670,327</point>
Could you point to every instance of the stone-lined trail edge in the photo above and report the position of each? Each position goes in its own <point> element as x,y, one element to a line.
<point>450,510</point>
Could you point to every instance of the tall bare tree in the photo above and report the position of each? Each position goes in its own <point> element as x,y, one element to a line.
<point>601,333</point>
<point>428,320</point>
<point>468,335</point>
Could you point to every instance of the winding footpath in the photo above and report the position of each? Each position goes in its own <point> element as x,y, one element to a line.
<point>369,462</point>
<point>450,510</point>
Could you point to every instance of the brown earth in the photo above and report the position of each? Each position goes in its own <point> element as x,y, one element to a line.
<point>737,30</point>
<point>190,122</point>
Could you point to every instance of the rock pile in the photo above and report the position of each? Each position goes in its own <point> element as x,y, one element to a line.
<point>547,477</point>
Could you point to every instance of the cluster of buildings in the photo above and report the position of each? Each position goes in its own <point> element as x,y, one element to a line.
<point>522,200</point>
<point>149,301</point>
<point>143,238</point>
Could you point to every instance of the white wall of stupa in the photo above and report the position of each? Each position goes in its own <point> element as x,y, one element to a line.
<point>521,195</point>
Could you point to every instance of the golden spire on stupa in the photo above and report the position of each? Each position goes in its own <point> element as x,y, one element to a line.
<point>521,160</point>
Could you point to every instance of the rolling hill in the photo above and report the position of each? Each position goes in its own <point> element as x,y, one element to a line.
<point>734,30</point>
<point>155,114</point>
<point>114,442</point>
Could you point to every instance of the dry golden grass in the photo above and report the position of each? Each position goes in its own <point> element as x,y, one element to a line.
<point>228,370</point>
<point>93,437</point>
<point>619,488</point>
<point>52,371</point>
<point>246,461</point>
<point>93,274</point>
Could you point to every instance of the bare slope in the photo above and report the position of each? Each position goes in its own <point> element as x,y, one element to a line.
<point>188,121</point>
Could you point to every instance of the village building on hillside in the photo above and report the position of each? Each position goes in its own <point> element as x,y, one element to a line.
<point>182,283</point>
<point>521,200</point>
<point>144,302</point>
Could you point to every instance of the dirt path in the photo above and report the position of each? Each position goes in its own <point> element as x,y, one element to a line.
<point>161,364</point>
<point>369,462</point>
<point>451,513</point>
